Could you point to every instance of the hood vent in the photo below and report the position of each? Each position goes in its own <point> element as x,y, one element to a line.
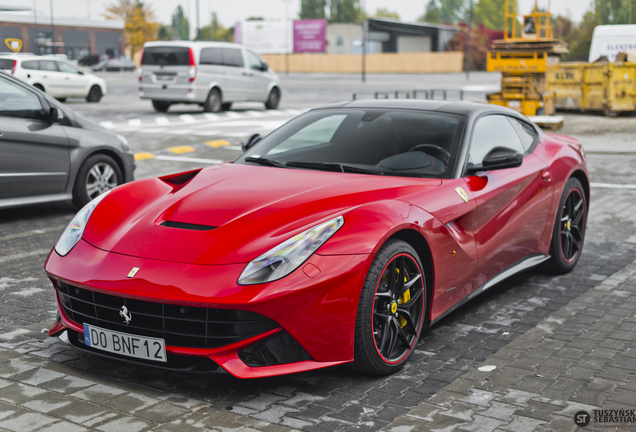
<point>188,226</point>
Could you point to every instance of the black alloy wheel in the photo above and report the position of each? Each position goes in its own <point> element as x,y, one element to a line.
<point>569,228</point>
<point>391,310</point>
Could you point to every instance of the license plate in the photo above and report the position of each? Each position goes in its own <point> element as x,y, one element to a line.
<point>165,77</point>
<point>141,347</point>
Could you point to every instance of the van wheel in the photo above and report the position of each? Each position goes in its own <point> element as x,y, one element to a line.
<point>160,106</point>
<point>226,106</point>
<point>214,102</point>
<point>273,99</point>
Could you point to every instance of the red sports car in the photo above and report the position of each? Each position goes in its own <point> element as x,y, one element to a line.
<point>335,239</point>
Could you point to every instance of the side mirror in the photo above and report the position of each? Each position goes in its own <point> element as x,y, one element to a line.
<point>249,141</point>
<point>54,115</point>
<point>498,158</point>
<point>264,67</point>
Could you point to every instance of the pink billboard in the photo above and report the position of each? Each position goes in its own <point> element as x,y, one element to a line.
<point>310,35</point>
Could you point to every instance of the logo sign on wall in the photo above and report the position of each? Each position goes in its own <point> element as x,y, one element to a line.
<point>280,37</point>
<point>14,45</point>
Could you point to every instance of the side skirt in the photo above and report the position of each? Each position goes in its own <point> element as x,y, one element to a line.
<point>521,265</point>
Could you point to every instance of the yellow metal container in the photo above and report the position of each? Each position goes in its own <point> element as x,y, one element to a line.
<point>517,62</point>
<point>607,87</point>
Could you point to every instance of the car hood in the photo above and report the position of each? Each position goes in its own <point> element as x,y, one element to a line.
<point>231,213</point>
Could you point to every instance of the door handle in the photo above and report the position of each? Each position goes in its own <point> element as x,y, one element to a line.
<point>44,76</point>
<point>247,74</point>
<point>546,176</point>
<point>67,78</point>
<point>0,133</point>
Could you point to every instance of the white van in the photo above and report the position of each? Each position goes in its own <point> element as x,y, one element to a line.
<point>211,74</point>
<point>609,40</point>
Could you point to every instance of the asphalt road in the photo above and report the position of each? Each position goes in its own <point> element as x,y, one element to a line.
<point>46,384</point>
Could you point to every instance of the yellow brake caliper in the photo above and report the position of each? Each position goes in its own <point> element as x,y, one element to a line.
<point>405,298</point>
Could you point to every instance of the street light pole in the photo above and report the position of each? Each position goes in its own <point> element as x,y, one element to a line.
<point>364,43</point>
<point>470,21</point>
<point>198,28</point>
<point>53,38</point>
<point>287,50</point>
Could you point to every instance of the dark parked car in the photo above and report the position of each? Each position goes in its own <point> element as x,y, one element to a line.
<point>49,153</point>
<point>115,65</point>
<point>89,60</point>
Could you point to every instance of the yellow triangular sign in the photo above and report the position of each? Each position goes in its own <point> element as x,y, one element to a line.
<point>14,45</point>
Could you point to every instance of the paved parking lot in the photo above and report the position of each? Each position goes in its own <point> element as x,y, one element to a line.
<point>559,345</point>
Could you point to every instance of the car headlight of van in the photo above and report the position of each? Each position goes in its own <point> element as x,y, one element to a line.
<point>289,255</point>
<point>74,230</point>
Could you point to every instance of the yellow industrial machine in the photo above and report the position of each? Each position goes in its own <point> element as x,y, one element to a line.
<point>604,86</point>
<point>523,58</point>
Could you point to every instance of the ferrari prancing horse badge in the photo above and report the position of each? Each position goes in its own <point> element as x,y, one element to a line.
<point>462,194</point>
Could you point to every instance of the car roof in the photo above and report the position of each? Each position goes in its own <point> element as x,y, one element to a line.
<point>192,44</point>
<point>470,109</point>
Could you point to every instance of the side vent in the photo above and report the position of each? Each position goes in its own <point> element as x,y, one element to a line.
<point>177,181</point>
<point>188,226</point>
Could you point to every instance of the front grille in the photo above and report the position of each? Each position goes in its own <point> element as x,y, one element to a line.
<point>183,326</point>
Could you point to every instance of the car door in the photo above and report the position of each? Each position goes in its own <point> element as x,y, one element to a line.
<point>56,84</point>
<point>260,77</point>
<point>35,153</point>
<point>74,80</point>
<point>211,70</point>
<point>513,204</point>
<point>237,76</point>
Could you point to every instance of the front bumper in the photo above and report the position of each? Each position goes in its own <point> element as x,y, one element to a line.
<point>318,311</point>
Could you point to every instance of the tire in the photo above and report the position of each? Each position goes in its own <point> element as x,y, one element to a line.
<point>568,234</point>
<point>273,99</point>
<point>95,94</point>
<point>39,87</point>
<point>61,99</point>
<point>226,106</point>
<point>214,102</point>
<point>388,325</point>
<point>97,174</point>
<point>160,106</point>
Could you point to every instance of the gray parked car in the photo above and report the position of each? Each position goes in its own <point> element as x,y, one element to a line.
<point>211,74</point>
<point>49,153</point>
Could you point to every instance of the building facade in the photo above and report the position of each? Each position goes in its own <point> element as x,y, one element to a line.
<point>71,36</point>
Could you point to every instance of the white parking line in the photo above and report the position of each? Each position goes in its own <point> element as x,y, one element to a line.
<point>232,114</point>
<point>107,124</point>
<point>205,133</point>
<point>162,120</point>
<point>231,147</point>
<point>612,186</point>
<point>254,113</point>
<point>178,132</point>
<point>187,159</point>
<point>187,118</point>
<point>134,122</point>
<point>211,116</point>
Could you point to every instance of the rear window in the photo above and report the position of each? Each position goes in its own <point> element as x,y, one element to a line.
<point>166,56</point>
<point>6,64</point>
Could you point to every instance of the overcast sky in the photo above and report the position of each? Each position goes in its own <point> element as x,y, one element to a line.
<point>231,11</point>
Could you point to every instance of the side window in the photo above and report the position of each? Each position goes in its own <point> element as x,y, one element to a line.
<point>527,134</point>
<point>319,132</point>
<point>48,65</point>
<point>67,68</point>
<point>211,56</point>
<point>30,64</point>
<point>490,132</point>
<point>16,101</point>
<point>254,61</point>
<point>233,57</point>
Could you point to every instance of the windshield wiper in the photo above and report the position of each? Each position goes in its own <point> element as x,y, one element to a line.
<point>333,166</point>
<point>265,161</point>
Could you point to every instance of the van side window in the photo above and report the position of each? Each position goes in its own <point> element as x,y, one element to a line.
<point>211,56</point>
<point>233,57</point>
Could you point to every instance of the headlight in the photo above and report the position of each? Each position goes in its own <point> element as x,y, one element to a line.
<point>124,141</point>
<point>74,230</point>
<point>289,255</point>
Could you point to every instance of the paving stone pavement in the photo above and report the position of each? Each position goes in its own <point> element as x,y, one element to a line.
<point>580,358</point>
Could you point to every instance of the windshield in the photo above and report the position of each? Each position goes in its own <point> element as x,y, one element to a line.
<point>370,141</point>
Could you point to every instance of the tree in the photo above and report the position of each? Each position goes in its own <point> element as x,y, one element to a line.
<point>344,11</point>
<point>385,13</point>
<point>180,24</point>
<point>216,32</point>
<point>480,41</point>
<point>139,23</point>
<point>312,9</point>
<point>615,11</point>
<point>255,18</point>
<point>490,13</point>
<point>431,15</point>
<point>166,33</point>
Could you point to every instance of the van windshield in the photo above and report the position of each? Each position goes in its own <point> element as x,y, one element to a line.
<point>166,56</point>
